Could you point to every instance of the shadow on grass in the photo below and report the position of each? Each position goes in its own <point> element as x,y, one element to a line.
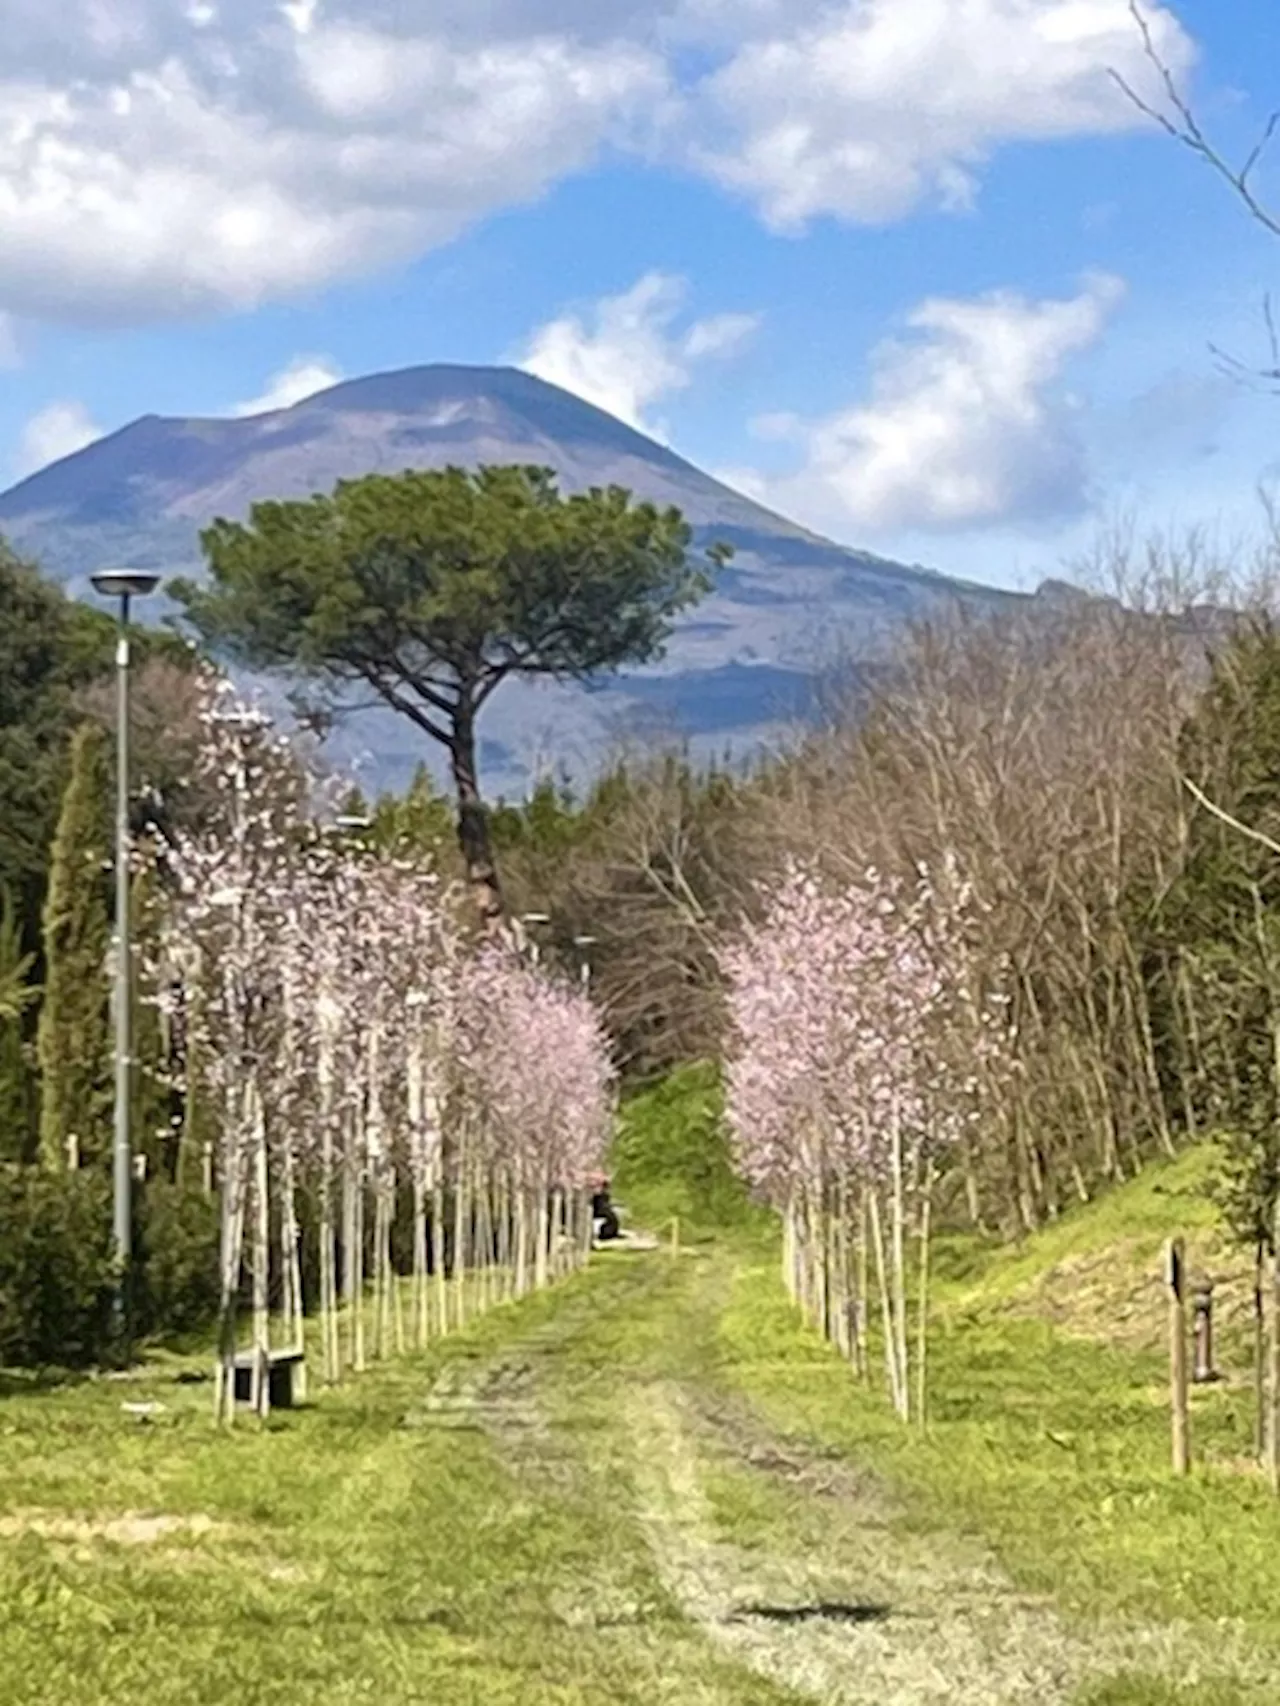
<point>826,1611</point>
<point>26,1382</point>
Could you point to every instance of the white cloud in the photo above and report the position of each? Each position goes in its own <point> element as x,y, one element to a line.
<point>303,377</point>
<point>58,430</point>
<point>168,161</point>
<point>865,109</point>
<point>626,353</point>
<point>964,426</point>
<point>160,167</point>
<point>10,354</point>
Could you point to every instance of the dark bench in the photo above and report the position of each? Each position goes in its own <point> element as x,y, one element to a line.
<point>282,1385</point>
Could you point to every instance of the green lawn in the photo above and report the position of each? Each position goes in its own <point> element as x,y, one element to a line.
<point>623,1490</point>
<point>362,1548</point>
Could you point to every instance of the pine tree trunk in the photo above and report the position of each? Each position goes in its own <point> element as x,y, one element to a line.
<point>473,822</point>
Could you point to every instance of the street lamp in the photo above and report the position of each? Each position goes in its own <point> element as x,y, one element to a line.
<point>124,585</point>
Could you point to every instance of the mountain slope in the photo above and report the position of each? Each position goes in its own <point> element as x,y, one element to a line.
<point>739,665</point>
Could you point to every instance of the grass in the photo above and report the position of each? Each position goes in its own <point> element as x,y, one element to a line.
<point>1048,1441</point>
<point>352,1550</point>
<point>377,1545</point>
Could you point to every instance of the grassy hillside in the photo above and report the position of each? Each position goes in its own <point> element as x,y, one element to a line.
<point>1049,1430</point>
<point>671,1158</point>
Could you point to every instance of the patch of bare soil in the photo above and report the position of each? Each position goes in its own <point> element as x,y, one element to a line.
<point>1118,1292</point>
<point>132,1528</point>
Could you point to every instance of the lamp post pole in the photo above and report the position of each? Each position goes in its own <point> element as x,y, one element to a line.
<point>124,585</point>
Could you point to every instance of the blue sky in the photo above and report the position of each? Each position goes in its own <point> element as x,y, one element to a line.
<point>911,271</point>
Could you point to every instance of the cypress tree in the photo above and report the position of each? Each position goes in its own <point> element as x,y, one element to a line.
<point>16,995</point>
<point>74,1035</point>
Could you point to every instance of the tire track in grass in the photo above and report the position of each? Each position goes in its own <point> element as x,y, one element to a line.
<point>614,1392</point>
<point>908,1627</point>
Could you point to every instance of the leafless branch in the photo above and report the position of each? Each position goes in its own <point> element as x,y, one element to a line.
<point>1185,128</point>
<point>1226,817</point>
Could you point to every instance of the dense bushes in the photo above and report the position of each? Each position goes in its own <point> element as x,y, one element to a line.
<point>55,1267</point>
<point>176,1281</point>
<point>56,1270</point>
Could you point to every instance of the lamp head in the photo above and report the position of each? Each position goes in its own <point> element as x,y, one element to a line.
<point>125,583</point>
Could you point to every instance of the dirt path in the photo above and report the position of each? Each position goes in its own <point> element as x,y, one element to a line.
<point>798,1567</point>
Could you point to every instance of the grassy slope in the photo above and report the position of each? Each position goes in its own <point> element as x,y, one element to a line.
<point>1049,1429</point>
<point>1049,1432</point>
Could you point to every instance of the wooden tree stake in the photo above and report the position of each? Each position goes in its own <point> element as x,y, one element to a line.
<point>1175,1280</point>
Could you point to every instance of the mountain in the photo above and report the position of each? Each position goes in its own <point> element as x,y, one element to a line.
<point>740,667</point>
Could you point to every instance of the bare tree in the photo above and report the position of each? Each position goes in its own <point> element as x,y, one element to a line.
<point>1178,121</point>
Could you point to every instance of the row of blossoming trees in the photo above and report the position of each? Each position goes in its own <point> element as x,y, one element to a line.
<point>868,1039</point>
<point>345,1051</point>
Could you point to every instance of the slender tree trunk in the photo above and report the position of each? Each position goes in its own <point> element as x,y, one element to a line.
<point>421,1294</point>
<point>886,1305</point>
<point>842,1293</point>
<point>1260,1350</point>
<point>461,1209</point>
<point>862,1303</point>
<point>438,1257</point>
<point>899,1263</point>
<point>1273,1430</point>
<point>522,1239</point>
<point>922,1340</point>
<point>503,1252</point>
<point>381,1262</point>
<point>291,1260</point>
<point>328,1275</point>
<point>260,1391</point>
<point>484,1239</point>
<point>233,1187</point>
<point>542,1246</point>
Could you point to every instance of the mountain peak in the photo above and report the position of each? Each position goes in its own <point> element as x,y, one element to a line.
<point>736,666</point>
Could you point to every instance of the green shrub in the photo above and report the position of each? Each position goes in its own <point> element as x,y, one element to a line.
<point>55,1267</point>
<point>176,1282</point>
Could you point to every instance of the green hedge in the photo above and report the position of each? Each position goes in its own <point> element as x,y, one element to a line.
<point>56,1268</point>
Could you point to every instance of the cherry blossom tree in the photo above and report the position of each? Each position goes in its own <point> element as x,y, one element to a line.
<point>866,1035</point>
<point>347,1042</point>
